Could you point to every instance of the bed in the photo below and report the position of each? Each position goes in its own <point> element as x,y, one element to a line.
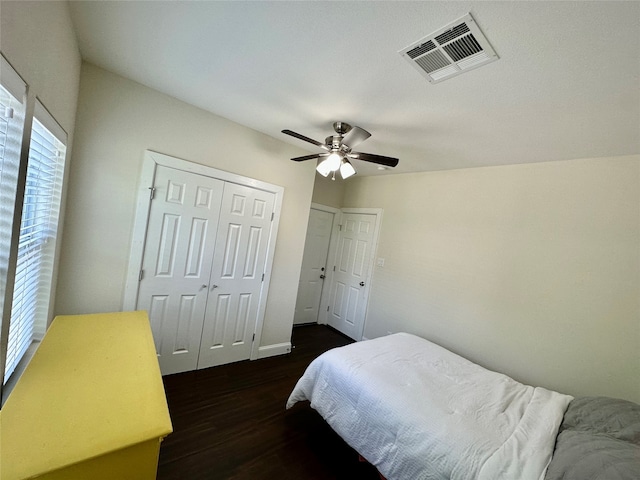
<point>418,411</point>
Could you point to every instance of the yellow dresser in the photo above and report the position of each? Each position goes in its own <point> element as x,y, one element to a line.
<point>90,404</point>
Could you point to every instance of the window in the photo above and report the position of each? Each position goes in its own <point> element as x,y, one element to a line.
<point>32,157</point>
<point>37,240</point>
<point>12,117</point>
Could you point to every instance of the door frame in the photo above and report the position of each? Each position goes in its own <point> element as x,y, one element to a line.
<point>150,162</point>
<point>333,251</point>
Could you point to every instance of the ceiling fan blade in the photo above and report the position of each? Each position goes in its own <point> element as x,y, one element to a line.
<point>306,139</point>
<point>370,157</point>
<point>355,136</point>
<point>308,157</point>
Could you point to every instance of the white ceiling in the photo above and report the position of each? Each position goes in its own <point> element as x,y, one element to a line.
<point>567,84</point>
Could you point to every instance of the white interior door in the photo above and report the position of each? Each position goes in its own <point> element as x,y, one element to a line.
<point>176,265</point>
<point>314,264</point>
<point>237,276</point>
<point>350,285</point>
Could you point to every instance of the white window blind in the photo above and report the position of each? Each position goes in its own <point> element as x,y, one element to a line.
<point>38,232</point>
<point>12,115</point>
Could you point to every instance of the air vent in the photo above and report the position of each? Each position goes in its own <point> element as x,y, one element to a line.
<point>421,49</point>
<point>450,51</point>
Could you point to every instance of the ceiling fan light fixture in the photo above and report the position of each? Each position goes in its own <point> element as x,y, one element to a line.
<point>346,169</point>
<point>323,168</point>
<point>330,164</point>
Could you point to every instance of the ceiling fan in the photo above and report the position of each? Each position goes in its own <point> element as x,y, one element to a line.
<point>338,151</point>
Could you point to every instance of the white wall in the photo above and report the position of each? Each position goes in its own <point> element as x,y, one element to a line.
<point>117,121</point>
<point>532,270</point>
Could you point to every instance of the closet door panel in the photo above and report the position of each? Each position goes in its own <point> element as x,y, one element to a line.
<point>236,277</point>
<point>177,262</point>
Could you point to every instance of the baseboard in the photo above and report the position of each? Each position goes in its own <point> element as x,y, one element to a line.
<point>273,350</point>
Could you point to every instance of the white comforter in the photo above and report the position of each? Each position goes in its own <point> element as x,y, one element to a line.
<point>418,411</point>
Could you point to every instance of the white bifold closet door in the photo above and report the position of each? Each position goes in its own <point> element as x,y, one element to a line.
<point>202,268</point>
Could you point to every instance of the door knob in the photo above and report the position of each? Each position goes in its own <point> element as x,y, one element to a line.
<point>362,284</point>
<point>214,286</point>
<point>204,286</point>
<point>321,276</point>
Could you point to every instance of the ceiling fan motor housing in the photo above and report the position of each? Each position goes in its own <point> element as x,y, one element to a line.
<point>341,127</point>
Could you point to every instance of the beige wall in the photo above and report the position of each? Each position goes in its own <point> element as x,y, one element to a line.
<point>38,40</point>
<point>117,121</point>
<point>329,192</point>
<point>532,270</point>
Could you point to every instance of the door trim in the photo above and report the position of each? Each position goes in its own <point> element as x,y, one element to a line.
<point>143,205</point>
<point>324,208</point>
<point>333,251</point>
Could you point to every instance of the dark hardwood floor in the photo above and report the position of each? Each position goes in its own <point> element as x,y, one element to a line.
<point>230,422</point>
